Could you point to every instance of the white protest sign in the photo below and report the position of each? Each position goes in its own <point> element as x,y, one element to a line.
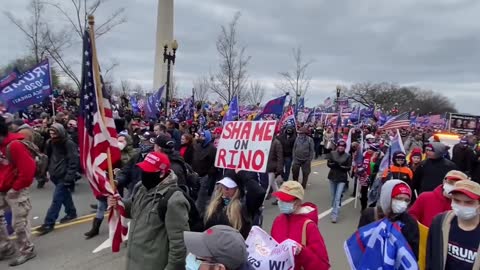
<point>245,145</point>
<point>264,253</point>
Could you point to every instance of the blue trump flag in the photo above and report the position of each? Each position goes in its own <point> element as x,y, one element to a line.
<point>355,115</point>
<point>152,108</point>
<point>380,245</point>
<point>32,87</point>
<point>274,106</point>
<point>233,111</point>
<point>134,104</point>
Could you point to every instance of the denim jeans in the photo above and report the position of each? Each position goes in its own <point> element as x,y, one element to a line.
<point>61,196</point>
<point>287,166</point>
<point>336,190</point>
<point>102,207</point>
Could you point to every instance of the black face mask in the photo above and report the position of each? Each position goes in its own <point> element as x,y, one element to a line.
<point>150,180</point>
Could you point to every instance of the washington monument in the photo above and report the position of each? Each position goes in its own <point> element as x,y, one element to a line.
<point>164,35</point>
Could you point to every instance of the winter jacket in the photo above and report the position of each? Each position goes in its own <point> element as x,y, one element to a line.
<point>476,168</point>
<point>18,173</point>
<point>63,157</point>
<point>314,255</point>
<point>410,226</point>
<point>339,165</point>
<point>429,204</point>
<point>287,142</point>
<point>154,243</point>
<point>437,243</point>
<point>177,166</point>
<point>130,174</point>
<point>204,159</point>
<point>431,172</point>
<point>219,217</point>
<point>275,158</point>
<point>186,151</point>
<point>464,157</point>
<point>398,172</point>
<point>303,149</point>
<point>176,136</point>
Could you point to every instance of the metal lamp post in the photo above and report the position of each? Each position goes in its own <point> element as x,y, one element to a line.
<point>169,57</point>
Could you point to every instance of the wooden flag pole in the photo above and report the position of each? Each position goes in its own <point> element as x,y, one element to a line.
<point>98,82</point>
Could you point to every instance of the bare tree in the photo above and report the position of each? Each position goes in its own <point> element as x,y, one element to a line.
<point>34,29</point>
<point>256,93</point>
<point>138,90</point>
<point>46,40</point>
<point>125,86</point>
<point>405,98</point>
<point>231,79</point>
<point>296,82</point>
<point>202,89</point>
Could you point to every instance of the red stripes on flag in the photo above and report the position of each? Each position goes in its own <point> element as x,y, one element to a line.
<point>98,139</point>
<point>397,122</point>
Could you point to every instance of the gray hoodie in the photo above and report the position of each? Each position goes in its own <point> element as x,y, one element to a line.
<point>303,149</point>
<point>386,195</point>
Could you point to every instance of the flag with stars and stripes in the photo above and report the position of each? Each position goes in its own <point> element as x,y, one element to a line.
<point>97,137</point>
<point>399,121</point>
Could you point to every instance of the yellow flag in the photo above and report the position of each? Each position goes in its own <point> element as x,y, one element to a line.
<point>422,246</point>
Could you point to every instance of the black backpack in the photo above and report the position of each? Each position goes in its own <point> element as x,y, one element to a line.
<point>194,219</point>
<point>191,178</point>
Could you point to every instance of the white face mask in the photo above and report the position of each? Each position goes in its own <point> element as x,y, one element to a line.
<point>464,212</point>
<point>121,146</point>
<point>398,206</point>
<point>446,189</point>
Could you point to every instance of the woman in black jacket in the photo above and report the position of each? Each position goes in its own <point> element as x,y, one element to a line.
<point>227,206</point>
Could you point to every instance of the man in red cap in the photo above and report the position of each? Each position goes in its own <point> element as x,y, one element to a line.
<point>156,233</point>
<point>454,236</point>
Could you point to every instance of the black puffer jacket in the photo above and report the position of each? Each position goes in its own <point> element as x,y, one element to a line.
<point>204,159</point>
<point>464,157</point>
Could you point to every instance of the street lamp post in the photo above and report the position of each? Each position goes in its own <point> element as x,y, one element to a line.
<point>169,57</point>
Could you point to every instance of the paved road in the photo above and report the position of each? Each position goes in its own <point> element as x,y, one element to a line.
<point>65,248</point>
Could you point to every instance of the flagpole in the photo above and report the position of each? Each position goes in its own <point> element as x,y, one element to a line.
<point>98,82</point>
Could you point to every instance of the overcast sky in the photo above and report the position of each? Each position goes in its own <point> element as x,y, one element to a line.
<point>432,44</point>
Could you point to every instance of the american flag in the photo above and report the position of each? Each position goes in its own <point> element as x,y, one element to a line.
<point>97,136</point>
<point>141,104</point>
<point>288,119</point>
<point>399,121</point>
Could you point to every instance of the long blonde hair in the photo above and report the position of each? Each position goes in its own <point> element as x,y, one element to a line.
<point>234,208</point>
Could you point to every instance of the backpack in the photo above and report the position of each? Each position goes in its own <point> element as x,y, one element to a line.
<point>192,179</point>
<point>194,219</point>
<point>41,160</point>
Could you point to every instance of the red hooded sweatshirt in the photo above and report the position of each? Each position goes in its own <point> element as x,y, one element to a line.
<point>20,172</point>
<point>314,255</point>
<point>429,204</point>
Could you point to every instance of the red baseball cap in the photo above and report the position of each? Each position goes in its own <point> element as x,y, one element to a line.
<point>155,162</point>
<point>401,189</point>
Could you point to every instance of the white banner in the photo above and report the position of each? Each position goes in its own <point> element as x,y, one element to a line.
<point>264,253</point>
<point>245,145</point>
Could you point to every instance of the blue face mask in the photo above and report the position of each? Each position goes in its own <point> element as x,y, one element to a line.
<point>226,201</point>
<point>286,207</point>
<point>191,263</point>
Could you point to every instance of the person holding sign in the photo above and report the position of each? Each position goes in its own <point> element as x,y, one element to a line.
<point>298,221</point>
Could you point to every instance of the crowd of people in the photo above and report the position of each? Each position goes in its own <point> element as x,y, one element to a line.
<point>187,214</point>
